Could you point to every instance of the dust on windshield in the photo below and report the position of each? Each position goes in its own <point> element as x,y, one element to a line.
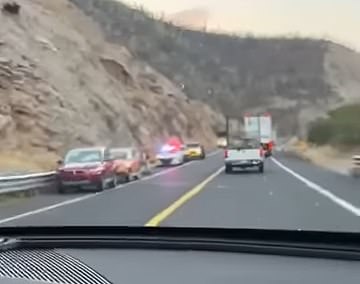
<point>81,75</point>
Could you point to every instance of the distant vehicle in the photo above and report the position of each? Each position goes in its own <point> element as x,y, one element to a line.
<point>244,153</point>
<point>194,150</point>
<point>129,163</point>
<point>86,168</point>
<point>171,155</point>
<point>260,127</point>
<point>221,142</point>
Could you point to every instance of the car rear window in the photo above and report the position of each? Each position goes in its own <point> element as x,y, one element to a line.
<point>244,144</point>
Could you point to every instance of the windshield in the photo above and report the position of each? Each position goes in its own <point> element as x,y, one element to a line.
<point>220,114</point>
<point>83,156</point>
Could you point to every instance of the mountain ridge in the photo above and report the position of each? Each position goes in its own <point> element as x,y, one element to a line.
<point>195,18</point>
<point>297,79</point>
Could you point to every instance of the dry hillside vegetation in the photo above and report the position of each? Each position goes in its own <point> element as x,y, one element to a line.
<point>62,85</point>
<point>329,157</point>
<point>297,79</point>
<point>192,18</point>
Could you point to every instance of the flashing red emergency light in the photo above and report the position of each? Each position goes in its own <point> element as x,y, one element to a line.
<point>175,142</point>
<point>168,149</point>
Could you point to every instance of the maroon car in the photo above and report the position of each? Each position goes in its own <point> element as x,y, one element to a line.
<point>86,168</point>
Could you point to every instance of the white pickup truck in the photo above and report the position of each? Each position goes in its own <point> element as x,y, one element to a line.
<point>244,153</point>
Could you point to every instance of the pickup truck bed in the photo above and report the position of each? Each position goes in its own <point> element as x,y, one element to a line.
<point>244,158</point>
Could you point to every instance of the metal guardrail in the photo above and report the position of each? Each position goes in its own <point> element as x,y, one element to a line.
<point>356,160</point>
<point>355,170</point>
<point>28,182</point>
<point>36,181</point>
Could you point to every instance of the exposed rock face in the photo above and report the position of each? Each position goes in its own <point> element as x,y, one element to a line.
<point>62,85</point>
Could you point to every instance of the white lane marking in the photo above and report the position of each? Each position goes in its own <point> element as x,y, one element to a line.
<point>323,191</point>
<point>47,208</point>
<point>82,198</point>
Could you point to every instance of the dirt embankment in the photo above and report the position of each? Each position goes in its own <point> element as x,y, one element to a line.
<point>62,86</point>
<point>329,157</point>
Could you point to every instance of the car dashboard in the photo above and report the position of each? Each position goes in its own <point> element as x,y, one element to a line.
<point>73,266</point>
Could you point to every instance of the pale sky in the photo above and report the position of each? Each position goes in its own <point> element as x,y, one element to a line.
<point>335,19</point>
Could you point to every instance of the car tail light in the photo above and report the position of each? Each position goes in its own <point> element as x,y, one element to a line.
<point>261,152</point>
<point>226,153</point>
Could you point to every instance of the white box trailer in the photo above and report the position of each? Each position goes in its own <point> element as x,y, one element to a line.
<point>260,127</point>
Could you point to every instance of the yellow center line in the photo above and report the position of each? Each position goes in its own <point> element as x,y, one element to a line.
<point>167,212</point>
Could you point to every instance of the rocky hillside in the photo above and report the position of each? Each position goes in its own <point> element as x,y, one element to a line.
<point>296,79</point>
<point>62,85</point>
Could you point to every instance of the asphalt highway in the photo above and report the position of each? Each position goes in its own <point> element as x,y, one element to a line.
<point>291,194</point>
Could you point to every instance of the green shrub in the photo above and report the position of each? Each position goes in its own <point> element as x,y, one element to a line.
<point>342,127</point>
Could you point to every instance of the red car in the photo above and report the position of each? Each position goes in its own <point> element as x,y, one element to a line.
<point>130,163</point>
<point>86,168</point>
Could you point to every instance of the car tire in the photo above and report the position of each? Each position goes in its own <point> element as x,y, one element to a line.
<point>101,186</point>
<point>117,180</point>
<point>203,154</point>
<point>113,182</point>
<point>123,179</point>
<point>137,176</point>
<point>261,168</point>
<point>140,173</point>
<point>61,189</point>
<point>268,154</point>
<point>228,169</point>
